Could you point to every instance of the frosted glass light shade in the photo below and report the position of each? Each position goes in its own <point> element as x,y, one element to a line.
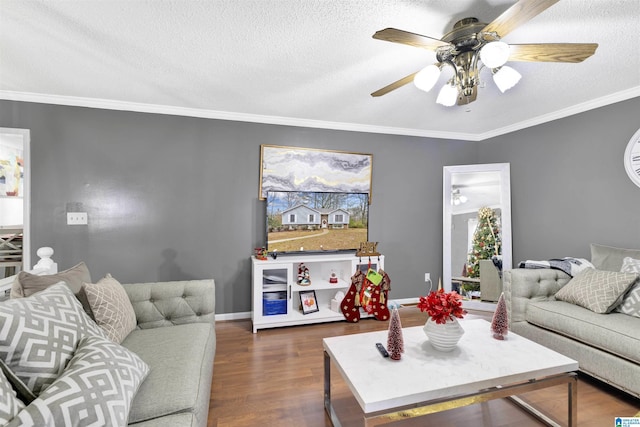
<point>494,54</point>
<point>426,78</point>
<point>506,78</point>
<point>447,96</point>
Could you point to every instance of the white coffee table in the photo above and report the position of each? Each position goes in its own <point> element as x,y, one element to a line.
<point>426,380</point>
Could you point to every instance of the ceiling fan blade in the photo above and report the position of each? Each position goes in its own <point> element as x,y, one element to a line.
<point>404,37</point>
<point>552,52</point>
<point>395,85</point>
<point>517,15</point>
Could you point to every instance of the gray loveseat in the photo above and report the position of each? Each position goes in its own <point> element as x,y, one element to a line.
<point>606,346</point>
<point>175,336</point>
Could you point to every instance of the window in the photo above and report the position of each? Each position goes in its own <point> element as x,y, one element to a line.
<point>339,218</point>
<point>312,218</point>
<point>292,218</point>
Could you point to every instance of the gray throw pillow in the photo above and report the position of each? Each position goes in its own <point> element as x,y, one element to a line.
<point>40,334</point>
<point>27,284</point>
<point>610,258</point>
<point>111,308</point>
<point>597,290</point>
<point>631,303</point>
<point>10,405</point>
<point>96,388</point>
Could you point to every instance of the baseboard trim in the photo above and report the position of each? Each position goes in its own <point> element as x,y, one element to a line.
<point>233,316</point>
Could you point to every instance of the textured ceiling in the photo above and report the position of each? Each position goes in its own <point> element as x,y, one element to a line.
<point>304,63</point>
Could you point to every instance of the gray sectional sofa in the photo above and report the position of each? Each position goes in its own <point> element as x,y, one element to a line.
<point>175,336</point>
<point>607,346</point>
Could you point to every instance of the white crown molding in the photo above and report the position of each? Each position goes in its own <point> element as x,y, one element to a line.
<point>318,124</point>
<point>573,110</point>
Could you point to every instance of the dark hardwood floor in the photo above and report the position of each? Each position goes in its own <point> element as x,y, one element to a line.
<point>275,378</point>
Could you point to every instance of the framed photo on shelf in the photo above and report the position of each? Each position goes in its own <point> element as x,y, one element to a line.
<point>309,302</point>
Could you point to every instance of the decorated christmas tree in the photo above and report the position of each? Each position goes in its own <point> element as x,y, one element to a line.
<point>486,241</point>
<point>395,340</point>
<point>500,322</point>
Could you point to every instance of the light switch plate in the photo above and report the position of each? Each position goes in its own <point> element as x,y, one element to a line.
<point>77,218</point>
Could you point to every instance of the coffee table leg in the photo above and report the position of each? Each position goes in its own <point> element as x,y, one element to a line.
<point>573,402</point>
<point>327,392</point>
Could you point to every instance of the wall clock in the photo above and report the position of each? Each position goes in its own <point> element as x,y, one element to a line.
<point>632,158</point>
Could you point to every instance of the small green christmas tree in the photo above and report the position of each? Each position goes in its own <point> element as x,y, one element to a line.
<point>486,241</point>
<point>395,340</point>
<point>500,322</point>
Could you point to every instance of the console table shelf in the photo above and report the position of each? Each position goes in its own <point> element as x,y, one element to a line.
<point>276,294</point>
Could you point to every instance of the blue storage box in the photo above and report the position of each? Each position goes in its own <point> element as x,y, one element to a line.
<point>274,303</point>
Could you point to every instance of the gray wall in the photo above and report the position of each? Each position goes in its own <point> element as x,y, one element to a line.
<point>177,198</point>
<point>568,183</point>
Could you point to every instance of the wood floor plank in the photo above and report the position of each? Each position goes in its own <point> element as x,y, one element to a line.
<point>275,378</point>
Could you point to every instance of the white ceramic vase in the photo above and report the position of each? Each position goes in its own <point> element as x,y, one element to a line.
<point>443,337</point>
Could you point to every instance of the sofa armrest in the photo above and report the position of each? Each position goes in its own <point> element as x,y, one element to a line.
<point>523,285</point>
<point>172,303</point>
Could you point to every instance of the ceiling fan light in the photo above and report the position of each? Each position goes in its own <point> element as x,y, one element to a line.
<point>447,96</point>
<point>494,54</point>
<point>426,78</point>
<point>506,78</point>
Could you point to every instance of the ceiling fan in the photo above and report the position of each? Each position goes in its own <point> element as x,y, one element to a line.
<point>472,45</point>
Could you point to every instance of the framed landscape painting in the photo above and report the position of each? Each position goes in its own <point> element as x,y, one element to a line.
<point>307,169</point>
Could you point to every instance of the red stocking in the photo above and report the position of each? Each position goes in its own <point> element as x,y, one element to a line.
<point>379,299</point>
<point>350,305</point>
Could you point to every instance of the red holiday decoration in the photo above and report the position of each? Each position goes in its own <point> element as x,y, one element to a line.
<point>442,306</point>
<point>350,305</point>
<point>364,294</point>
<point>395,340</point>
<point>500,323</point>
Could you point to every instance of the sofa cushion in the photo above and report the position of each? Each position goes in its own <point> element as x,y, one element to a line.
<point>27,284</point>
<point>10,405</point>
<point>40,333</point>
<point>181,362</point>
<point>96,388</point>
<point>599,291</point>
<point>610,258</point>
<point>614,333</point>
<point>111,308</point>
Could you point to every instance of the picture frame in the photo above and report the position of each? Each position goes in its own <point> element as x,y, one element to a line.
<point>285,168</point>
<point>308,302</point>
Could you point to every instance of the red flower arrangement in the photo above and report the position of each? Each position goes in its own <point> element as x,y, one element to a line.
<point>442,306</point>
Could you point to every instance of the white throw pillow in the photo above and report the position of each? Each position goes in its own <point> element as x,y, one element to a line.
<point>40,333</point>
<point>96,389</point>
<point>631,303</point>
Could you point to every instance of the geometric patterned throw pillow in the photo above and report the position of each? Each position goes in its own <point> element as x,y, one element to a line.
<point>111,308</point>
<point>631,303</point>
<point>630,265</point>
<point>10,405</point>
<point>39,334</point>
<point>96,389</point>
<point>598,290</point>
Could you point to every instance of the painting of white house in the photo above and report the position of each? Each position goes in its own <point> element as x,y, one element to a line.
<point>305,169</point>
